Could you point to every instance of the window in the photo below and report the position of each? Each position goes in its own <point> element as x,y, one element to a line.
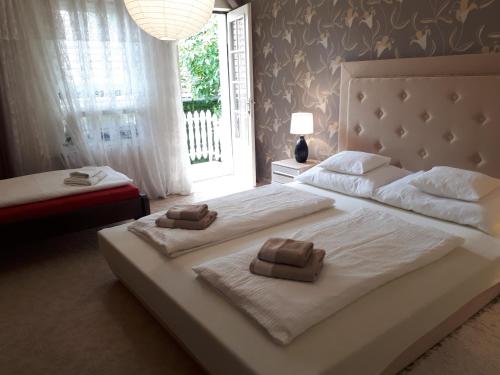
<point>103,72</point>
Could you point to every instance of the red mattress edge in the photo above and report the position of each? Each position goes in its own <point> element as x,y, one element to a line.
<point>67,203</point>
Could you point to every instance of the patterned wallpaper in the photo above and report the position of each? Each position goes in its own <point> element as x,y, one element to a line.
<point>298,45</point>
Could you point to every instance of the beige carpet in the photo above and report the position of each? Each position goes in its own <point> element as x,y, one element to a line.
<point>472,349</point>
<point>62,312</point>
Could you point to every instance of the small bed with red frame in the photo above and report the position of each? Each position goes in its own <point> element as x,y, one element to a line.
<point>41,204</point>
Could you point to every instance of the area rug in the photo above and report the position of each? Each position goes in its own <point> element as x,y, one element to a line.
<point>474,348</point>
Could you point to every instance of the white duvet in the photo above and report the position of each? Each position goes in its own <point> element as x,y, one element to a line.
<point>238,214</point>
<point>364,250</point>
<point>49,185</point>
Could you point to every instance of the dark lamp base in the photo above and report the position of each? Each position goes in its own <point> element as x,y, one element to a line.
<point>301,150</point>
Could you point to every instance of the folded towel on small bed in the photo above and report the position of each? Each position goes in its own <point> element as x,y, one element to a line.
<point>78,181</point>
<point>286,251</point>
<point>86,172</point>
<point>187,212</point>
<point>203,223</point>
<point>309,272</point>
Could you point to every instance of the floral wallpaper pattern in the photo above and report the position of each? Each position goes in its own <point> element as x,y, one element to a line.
<point>299,44</point>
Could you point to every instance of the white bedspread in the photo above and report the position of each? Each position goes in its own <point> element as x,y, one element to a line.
<point>364,250</point>
<point>238,214</point>
<point>50,185</point>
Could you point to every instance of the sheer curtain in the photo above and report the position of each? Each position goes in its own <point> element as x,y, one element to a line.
<point>84,85</point>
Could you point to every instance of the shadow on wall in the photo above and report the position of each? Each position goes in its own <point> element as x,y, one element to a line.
<point>299,45</point>
<point>5,167</point>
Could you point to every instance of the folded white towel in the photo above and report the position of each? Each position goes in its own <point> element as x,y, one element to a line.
<point>86,181</point>
<point>86,172</point>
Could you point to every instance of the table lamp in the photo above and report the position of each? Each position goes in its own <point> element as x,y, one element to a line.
<point>302,124</point>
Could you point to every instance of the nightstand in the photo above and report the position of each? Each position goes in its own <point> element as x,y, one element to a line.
<point>285,170</point>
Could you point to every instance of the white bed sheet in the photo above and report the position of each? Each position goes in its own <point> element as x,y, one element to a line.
<point>363,338</point>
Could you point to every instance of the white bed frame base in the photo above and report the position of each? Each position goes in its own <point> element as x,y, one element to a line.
<point>226,342</point>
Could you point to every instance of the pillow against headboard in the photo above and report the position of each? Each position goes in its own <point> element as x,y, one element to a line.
<point>483,214</point>
<point>425,121</point>
<point>456,183</point>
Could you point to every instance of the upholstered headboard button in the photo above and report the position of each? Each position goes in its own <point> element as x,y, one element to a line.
<point>481,119</point>
<point>454,97</point>
<point>426,117</point>
<point>378,146</point>
<point>423,153</point>
<point>477,159</point>
<point>449,137</point>
<point>401,132</point>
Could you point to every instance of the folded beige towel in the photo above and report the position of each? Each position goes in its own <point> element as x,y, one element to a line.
<point>187,212</point>
<point>86,172</point>
<point>286,251</point>
<point>164,222</point>
<point>309,272</point>
<point>78,181</point>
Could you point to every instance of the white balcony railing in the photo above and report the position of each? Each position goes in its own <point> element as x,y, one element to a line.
<point>203,132</point>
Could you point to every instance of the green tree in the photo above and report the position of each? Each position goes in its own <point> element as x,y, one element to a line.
<point>199,60</point>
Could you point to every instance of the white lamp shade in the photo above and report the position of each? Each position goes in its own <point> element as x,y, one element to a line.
<point>170,19</point>
<point>302,123</point>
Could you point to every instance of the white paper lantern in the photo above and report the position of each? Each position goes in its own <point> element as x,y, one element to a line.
<point>170,19</point>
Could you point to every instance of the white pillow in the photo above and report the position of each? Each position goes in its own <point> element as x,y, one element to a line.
<point>484,215</point>
<point>354,162</point>
<point>456,183</point>
<point>359,186</point>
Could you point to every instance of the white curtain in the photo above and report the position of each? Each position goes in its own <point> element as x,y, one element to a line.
<point>85,86</point>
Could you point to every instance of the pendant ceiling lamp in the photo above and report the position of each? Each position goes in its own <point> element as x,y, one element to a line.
<point>170,19</point>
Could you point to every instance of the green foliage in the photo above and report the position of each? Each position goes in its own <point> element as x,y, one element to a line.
<point>199,63</point>
<point>211,104</point>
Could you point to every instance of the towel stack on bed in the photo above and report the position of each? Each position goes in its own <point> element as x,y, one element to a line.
<point>193,216</point>
<point>288,259</point>
<point>86,176</point>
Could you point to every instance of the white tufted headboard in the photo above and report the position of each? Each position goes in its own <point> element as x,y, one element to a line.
<point>425,111</point>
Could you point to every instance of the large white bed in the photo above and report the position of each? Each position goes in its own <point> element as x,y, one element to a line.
<point>385,329</point>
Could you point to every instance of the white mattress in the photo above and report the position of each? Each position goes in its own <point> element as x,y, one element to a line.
<point>363,338</point>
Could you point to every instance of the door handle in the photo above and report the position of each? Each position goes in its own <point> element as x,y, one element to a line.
<point>250,102</point>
